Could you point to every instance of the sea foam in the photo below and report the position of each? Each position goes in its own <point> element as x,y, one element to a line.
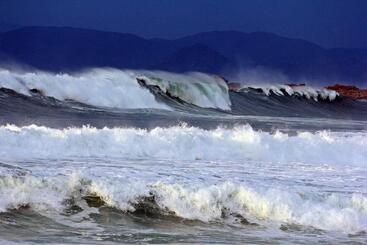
<point>119,88</point>
<point>97,87</point>
<point>196,202</point>
<point>184,143</point>
<point>307,92</point>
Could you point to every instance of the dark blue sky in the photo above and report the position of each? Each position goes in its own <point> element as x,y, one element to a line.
<point>331,23</point>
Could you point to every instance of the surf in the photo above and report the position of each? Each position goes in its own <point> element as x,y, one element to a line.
<point>225,202</point>
<point>196,93</point>
<point>184,143</point>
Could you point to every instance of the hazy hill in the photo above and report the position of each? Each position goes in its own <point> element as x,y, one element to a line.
<point>64,48</point>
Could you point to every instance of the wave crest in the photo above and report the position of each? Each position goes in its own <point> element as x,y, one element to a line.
<point>120,88</point>
<point>184,143</point>
<point>97,87</point>
<point>194,88</point>
<point>223,201</point>
<point>294,90</point>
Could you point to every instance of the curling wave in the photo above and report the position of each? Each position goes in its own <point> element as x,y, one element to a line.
<point>194,88</point>
<point>301,91</point>
<point>120,89</point>
<point>191,93</point>
<point>225,201</point>
<point>98,87</point>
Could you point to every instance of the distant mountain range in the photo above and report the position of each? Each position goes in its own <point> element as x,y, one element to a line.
<point>220,52</point>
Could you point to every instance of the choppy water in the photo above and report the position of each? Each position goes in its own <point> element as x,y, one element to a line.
<point>239,170</point>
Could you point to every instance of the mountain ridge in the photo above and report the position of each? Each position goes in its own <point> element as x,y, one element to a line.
<point>219,52</point>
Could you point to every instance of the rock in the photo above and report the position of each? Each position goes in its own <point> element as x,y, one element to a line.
<point>349,91</point>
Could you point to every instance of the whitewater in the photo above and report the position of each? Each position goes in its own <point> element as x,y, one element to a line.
<point>136,156</point>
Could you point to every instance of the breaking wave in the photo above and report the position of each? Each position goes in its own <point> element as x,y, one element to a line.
<point>183,142</point>
<point>224,201</point>
<point>102,88</point>
<point>192,93</point>
<point>194,88</point>
<point>120,89</point>
<point>294,90</point>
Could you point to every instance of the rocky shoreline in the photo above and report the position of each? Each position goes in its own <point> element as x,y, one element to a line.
<point>349,91</point>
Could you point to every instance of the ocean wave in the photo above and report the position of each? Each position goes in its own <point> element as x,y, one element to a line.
<point>294,90</point>
<point>184,143</point>
<point>97,87</point>
<point>120,88</point>
<point>194,88</point>
<point>177,94</point>
<point>220,202</point>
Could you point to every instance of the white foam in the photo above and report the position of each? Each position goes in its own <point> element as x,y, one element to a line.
<point>302,91</point>
<point>181,142</point>
<point>206,203</point>
<point>120,89</point>
<point>31,191</point>
<point>97,87</point>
